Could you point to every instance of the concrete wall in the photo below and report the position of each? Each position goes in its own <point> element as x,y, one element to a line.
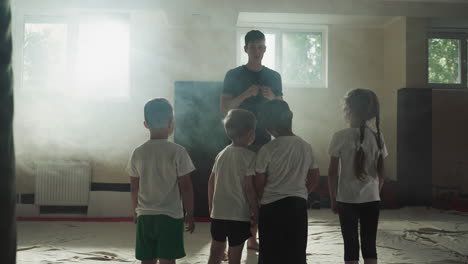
<point>105,132</point>
<point>108,131</point>
<point>355,60</point>
<point>394,78</point>
<point>416,52</point>
<point>172,41</point>
<point>225,11</point>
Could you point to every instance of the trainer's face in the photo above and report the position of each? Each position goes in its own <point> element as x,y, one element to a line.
<point>255,50</point>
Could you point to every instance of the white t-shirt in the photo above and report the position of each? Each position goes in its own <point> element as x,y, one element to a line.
<point>287,161</point>
<point>231,166</point>
<point>158,163</point>
<point>344,145</point>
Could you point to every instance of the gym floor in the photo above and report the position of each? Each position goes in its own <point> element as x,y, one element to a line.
<point>406,236</point>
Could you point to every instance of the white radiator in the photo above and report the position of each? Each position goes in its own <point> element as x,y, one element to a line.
<point>62,183</point>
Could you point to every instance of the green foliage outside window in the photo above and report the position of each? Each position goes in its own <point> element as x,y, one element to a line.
<point>444,61</point>
<point>44,58</point>
<point>302,58</point>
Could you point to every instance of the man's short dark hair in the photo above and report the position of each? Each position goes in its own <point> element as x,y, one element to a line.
<point>158,113</point>
<point>276,115</point>
<point>254,35</point>
<point>238,123</point>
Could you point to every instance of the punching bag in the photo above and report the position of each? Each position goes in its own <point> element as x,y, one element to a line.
<point>7,161</point>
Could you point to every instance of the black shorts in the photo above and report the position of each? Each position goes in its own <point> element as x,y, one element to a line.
<point>237,232</point>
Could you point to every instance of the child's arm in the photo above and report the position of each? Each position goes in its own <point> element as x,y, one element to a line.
<point>134,187</point>
<point>381,182</point>
<point>251,196</point>
<point>211,182</point>
<point>260,181</point>
<point>313,180</point>
<point>186,191</point>
<point>333,180</point>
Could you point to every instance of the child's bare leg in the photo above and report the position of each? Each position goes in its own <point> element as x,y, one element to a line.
<point>225,254</point>
<point>166,261</point>
<point>252,241</point>
<point>154,261</point>
<point>216,252</point>
<point>370,261</point>
<point>235,254</point>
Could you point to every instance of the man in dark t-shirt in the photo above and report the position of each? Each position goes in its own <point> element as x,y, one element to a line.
<point>250,86</point>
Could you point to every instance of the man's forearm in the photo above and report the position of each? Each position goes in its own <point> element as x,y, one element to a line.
<point>231,103</point>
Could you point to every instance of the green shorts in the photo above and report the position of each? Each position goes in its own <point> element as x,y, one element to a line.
<point>159,236</point>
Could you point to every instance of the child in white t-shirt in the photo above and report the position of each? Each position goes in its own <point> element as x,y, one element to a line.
<point>161,189</point>
<point>354,190</point>
<point>232,199</point>
<point>286,172</point>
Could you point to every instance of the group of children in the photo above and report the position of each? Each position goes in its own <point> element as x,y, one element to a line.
<point>270,187</point>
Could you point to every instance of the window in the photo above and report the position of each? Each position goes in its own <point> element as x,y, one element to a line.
<point>45,55</point>
<point>302,58</point>
<point>447,60</point>
<point>102,57</point>
<point>299,56</point>
<point>81,55</point>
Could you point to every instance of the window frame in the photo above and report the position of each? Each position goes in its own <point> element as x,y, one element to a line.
<point>463,38</point>
<point>279,30</point>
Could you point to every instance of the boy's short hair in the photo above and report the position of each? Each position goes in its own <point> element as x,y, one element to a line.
<point>253,35</point>
<point>276,115</point>
<point>238,123</point>
<point>158,113</point>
